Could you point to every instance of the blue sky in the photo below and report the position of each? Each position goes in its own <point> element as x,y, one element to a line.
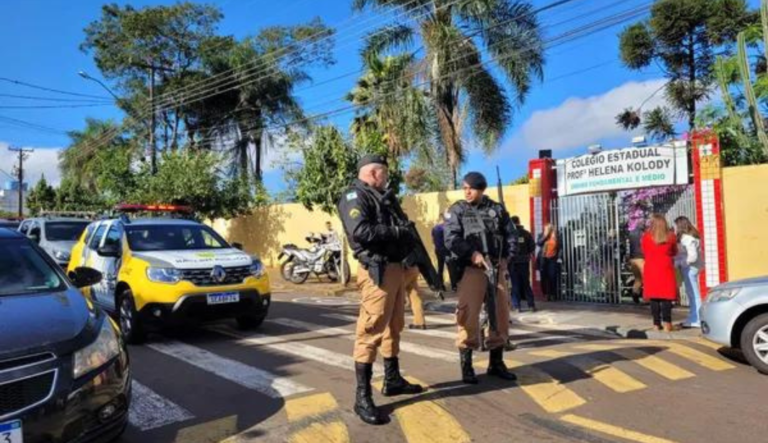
<point>584,86</point>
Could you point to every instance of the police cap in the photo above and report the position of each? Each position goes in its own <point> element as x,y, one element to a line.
<point>371,159</point>
<point>476,180</point>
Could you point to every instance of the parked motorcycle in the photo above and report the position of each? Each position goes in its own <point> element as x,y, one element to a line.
<point>322,258</point>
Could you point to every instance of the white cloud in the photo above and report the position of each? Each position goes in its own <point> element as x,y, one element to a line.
<point>41,161</point>
<point>580,121</point>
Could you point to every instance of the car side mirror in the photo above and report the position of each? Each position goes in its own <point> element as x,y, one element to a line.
<point>237,246</point>
<point>35,237</point>
<point>83,277</point>
<point>111,251</point>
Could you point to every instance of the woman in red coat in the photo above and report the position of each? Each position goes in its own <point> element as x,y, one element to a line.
<point>660,283</point>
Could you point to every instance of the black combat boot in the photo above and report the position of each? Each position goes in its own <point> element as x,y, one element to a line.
<point>467,371</point>
<point>496,366</point>
<point>394,383</point>
<point>364,407</point>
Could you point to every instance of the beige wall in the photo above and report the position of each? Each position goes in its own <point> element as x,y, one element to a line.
<point>267,229</point>
<point>746,220</point>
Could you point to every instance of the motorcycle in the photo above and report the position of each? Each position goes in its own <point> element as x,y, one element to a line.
<point>322,258</point>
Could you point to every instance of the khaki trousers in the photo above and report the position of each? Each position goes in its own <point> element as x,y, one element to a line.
<point>382,314</point>
<point>417,305</point>
<point>471,293</point>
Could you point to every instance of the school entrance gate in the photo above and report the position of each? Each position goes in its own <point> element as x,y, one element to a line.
<point>596,200</point>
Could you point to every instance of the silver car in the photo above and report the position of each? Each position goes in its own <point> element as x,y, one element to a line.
<point>55,235</point>
<point>735,314</point>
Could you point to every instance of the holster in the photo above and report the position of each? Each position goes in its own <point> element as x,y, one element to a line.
<point>376,265</point>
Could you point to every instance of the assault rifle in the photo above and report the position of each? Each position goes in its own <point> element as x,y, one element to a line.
<point>423,262</point>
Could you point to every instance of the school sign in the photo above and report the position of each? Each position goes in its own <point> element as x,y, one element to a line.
<point>622,169</point>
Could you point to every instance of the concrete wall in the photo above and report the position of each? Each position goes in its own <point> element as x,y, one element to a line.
<point>267,229</point>
<point>745,198</point>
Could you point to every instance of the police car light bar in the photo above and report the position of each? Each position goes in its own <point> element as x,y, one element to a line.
<point>153,208</point>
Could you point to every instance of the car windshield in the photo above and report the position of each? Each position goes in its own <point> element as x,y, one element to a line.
<point>23,270</point>
<point>173,238</point>
<point>64,231</point>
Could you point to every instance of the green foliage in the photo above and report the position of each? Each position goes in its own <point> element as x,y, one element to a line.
<point>41,197</point>
<point>658,124</point>
<point>71,196</point>
<point>330,164</point>
<point>682,37</point>
<point>456,40</point>
<point>736,149</point>
<point>523,180</point>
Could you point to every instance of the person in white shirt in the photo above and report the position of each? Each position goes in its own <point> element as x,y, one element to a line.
<point>690,263</point>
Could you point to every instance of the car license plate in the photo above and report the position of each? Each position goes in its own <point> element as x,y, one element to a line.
<point>10,432</point>
<point>219,299</point>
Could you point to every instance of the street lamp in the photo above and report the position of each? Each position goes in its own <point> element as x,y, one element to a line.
<point>85,75</point>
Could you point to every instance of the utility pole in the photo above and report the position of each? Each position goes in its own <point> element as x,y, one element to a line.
<point>23,153</point>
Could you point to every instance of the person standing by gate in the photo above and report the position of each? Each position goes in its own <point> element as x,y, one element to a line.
<point>659,246</point>
<point>381,245</point>
<point>547,261</point>
<point>441,252</point>
<point>520,266</point>
<point>476,232</point>
<point>689,262</point>
<point>637,260</point>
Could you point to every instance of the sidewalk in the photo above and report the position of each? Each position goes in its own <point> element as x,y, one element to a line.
<point>627,321</point>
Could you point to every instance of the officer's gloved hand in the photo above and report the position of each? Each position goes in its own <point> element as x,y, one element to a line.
<point>403,233</point>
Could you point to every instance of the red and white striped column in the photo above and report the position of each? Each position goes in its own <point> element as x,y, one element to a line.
<point>542,190</point>
<point>707,174</point>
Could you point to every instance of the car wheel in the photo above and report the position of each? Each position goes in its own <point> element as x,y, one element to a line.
<point>754,343</point>
<point>250,322</point>
<point>133,332</point>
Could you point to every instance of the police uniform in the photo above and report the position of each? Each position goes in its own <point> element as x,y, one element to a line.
<point>411,289</point>
<point>380,245</point>
<point>465,226</point>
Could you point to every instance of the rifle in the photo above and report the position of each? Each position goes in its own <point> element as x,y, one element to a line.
<point>423,262</point>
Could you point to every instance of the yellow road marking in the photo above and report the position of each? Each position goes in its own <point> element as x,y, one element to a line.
<point>547,392</point>
<point>311,405</point>
<point>210,432</point>
<point>333,432</point>
<point>428,421</point>
<point>704,342</point>
<point>695,356</point>
<point>551,353</point>
<point>606,374</point>
<point>642,358</point>
<point>612,430</point>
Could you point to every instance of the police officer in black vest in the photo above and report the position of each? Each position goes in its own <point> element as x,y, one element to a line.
<point>381,244</point>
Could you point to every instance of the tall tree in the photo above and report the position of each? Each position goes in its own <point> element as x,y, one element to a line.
<point>41,198</point>
<point>455,35</point>
<point>682,38</point>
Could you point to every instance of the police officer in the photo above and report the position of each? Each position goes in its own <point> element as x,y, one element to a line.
<point>467,222</point>
<point>522,247</point>
<point>380,244</point>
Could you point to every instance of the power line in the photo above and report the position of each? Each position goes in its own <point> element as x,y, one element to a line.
<point>31,125</point>
<point>45,88</point>
<point>54,99</point>
<point>91,105</point>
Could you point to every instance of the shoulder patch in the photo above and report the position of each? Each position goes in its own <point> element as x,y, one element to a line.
<point>351,196</point>
<point>354,212</point>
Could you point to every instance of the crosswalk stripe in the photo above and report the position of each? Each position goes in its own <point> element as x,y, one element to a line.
<point>650,362</point>
<point>302,350</point>
<point>550,353</point>
<point>542,388</point>
<point>425,421</point>
<point>428,332</point>
<point>612,430</point>
<point>698,357</point>
<point>247,376</point>
<point>606,374</point>
<point>704,342</point>
<point>149,410</point>
<point>405,346</point>
<point>311,405</point>
<point>212,431</point>
<point>332,432</point>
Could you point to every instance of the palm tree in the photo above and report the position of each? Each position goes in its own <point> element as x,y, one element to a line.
<point>454,34</point>
<point>80,161</point>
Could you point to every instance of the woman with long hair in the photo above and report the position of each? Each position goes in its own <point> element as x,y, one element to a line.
<point>689,262</point>
<point>549,252</point>
<point>659,246</point>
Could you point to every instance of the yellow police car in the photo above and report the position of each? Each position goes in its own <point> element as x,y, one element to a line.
<point>169,271</point>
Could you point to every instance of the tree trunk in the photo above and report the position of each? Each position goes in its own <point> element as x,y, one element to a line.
<point>692,84</point>
<point>257,139</point>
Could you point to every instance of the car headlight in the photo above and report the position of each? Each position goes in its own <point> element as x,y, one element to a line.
<point>61,255</point>
<point>722,295</point>
<point>97,354</point>
<point>164,275</point>
<point>257,268</point>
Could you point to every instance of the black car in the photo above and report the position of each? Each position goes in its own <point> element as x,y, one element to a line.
<point>64,374</point>
<point>9,224</point>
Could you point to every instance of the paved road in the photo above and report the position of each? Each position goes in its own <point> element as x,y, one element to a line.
<point>293,381</point>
